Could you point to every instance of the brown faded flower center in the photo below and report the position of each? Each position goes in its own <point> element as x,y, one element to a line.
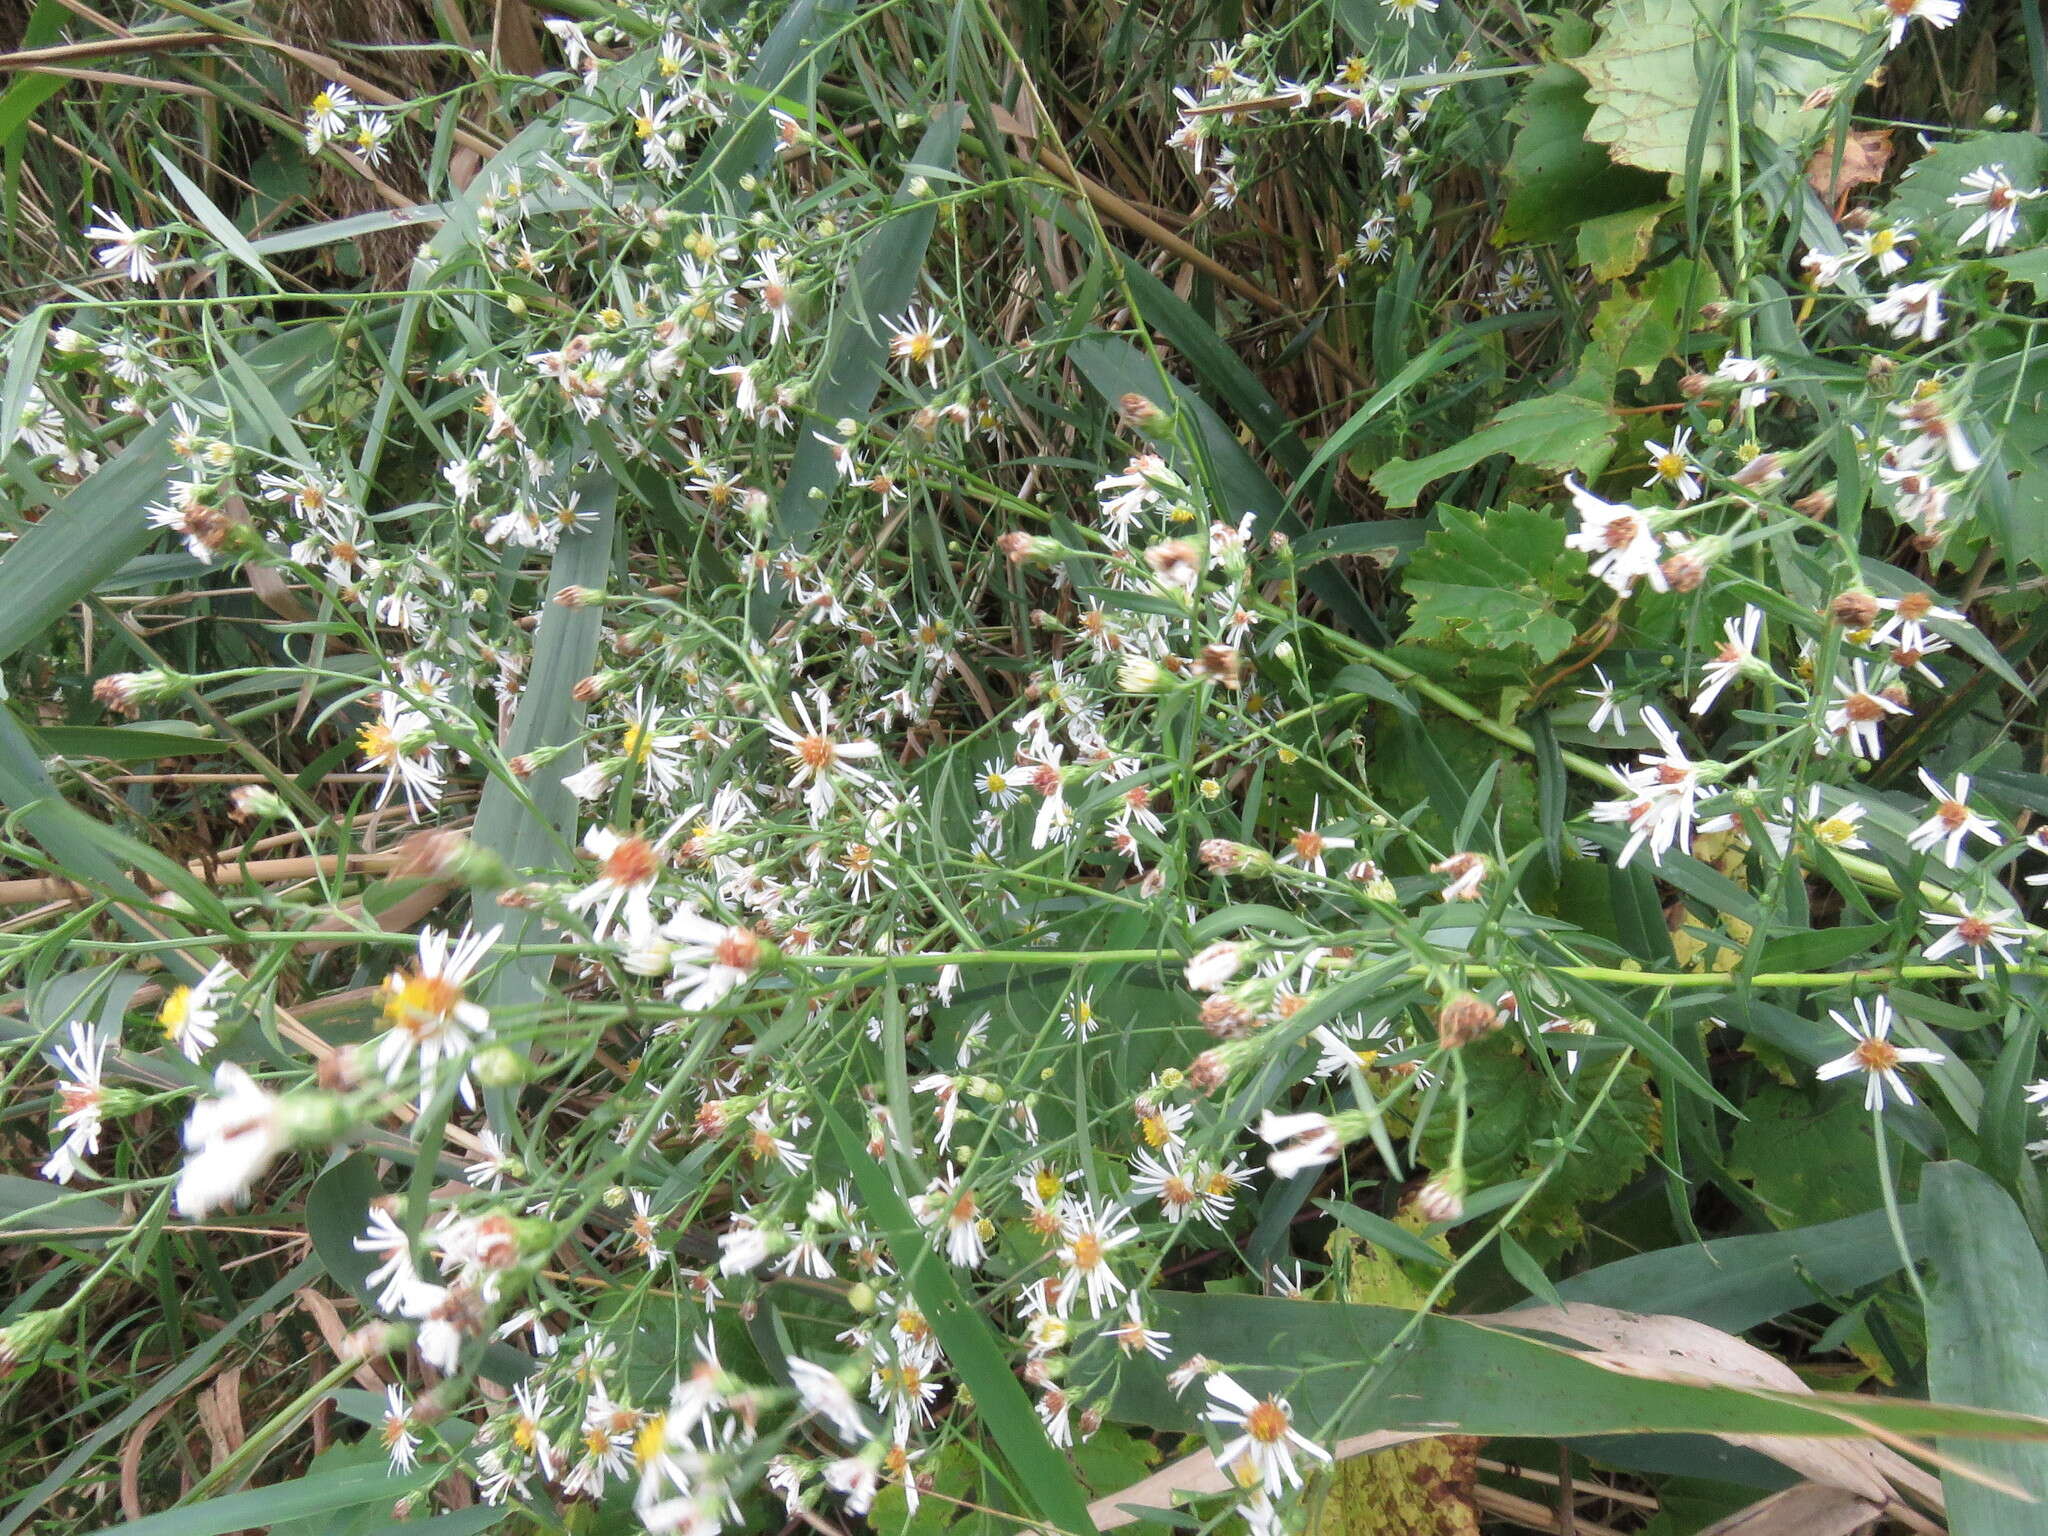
<point>739,949</point>
<point>633,862</point>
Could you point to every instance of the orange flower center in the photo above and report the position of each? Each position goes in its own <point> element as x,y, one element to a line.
<point>1267,1423</point>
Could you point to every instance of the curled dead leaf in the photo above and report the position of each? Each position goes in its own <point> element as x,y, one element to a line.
<point>1864,156</point>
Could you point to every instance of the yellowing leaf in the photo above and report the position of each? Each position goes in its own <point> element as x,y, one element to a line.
<point>1657,60</point>
<point>1615,245</point>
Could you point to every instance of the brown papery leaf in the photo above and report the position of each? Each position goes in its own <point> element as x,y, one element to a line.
<point>1864,157</point>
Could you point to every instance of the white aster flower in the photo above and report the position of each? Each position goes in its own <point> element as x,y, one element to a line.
<point>1874,1055</point>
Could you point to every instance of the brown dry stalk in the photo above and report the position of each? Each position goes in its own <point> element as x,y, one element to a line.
<point>1138,222</point>
<point>15,893</point>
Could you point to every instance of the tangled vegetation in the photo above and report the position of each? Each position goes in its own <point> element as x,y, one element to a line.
<point>991,768</point>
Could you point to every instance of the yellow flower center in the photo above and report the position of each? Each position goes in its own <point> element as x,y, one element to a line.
<point>419,1004</point>
<point>647,1444</point>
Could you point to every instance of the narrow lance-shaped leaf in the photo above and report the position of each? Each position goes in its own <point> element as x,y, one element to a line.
<point>532,826</point>
<point>92,532</point>
<point>879,289</point>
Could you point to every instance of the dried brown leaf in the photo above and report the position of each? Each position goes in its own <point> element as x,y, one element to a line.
<point>1680,1349</point>
<point>327,1318</point>
<point>1807,1509</point>
<point>1865,154</point>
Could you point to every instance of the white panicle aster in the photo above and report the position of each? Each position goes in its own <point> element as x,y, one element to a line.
<point>230,1141</point>
<point>427,1010</point>
<point>1618,538</point>
<point>1264,1450</point>
<point>1874,1055</point>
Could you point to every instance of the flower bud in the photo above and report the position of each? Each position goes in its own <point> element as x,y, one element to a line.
<point>1220,664</point>
<point>1463,1019</point>
<point>1221,856</point>
<point>1214,966</point>
<point>1141,674</point>
<point>255,802</point>
<point>1684,571</point>
<point>500,1066</point>
<point>1030,549</point>
<point>126,692</point>
<point>1443,1197</point>
<point>23,1341</point>
<point>1142,415</point>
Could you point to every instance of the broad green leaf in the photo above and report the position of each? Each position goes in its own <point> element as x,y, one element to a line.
<point>216,223</point>
<point>142,743</point>
<point>338,1212</point>
<point>37,1205</point>
<point>1735,1283</point>
<point>309,237</point>
<point>1217,364</point>
<point>1809,1155</point>
<point>24,363</point>
<point>1636,329</point>
<point>1819,948</point>
<point>1488,583</point>
<point>1987,1342</point>
<point>533,826</point>
<point>1383,1233</point>
<point>1929,182</point>
<point>2029,267</point>
<point>1554,432</point>
<point>328,1492</point>
<point>1555,177</point>
<point>1655,61</point>
<point>1523,1120</point>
